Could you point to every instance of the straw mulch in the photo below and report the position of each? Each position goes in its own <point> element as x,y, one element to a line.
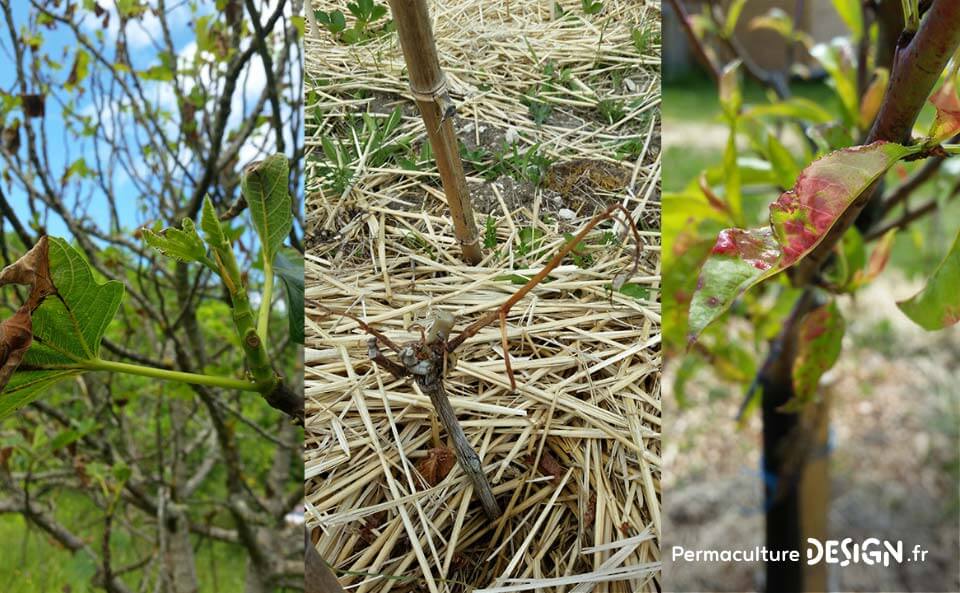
<point>574,453</point>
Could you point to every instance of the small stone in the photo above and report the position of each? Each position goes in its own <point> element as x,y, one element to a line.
<point>512,135</point>
<point>566,214</point>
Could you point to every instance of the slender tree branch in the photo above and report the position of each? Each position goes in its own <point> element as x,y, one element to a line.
<point>695,43</point>
<point>903,191</point>
<point>911,215</point>
<point>260,40</point>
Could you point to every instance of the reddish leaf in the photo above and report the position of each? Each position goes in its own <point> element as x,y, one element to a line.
<point>550,466</point>
<point>436,465</point>
<point>827,187</point>
<point>947,121</point>
<point>818,347</point>
<point>799,220</point>
<point>739,259</point>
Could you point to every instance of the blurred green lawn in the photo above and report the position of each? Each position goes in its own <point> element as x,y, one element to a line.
<point>33,563</point>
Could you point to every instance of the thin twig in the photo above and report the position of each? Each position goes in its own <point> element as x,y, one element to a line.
<point>698,48</point>
<point>910,216</point>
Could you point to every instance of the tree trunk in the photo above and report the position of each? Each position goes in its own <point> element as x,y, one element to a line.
<point>180,561</point>
<point>785,446</point>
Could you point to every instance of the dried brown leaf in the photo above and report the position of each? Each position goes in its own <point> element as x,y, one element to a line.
<point>16,333</point>
<point>32,269</point>
<point>33,105</point>
<point>370,524</point>
<point>590,514</point>
<point>549,466</point>
<point>436,465</point>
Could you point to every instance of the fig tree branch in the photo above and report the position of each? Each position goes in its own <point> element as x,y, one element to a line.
<point>260,40</point>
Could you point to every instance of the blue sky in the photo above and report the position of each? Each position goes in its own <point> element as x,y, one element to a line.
<point>63,147</point>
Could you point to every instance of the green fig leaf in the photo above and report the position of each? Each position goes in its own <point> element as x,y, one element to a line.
<point>264,185</point>
<point>67,327</point>
<point>288,264</point>
<point>210,225</point>
<point>183,244</point>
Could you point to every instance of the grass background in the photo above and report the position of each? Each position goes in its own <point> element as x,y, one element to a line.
<point>34,563</point>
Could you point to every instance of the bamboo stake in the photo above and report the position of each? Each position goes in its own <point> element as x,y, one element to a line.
<point>815,490</point>
<point>429,87</point>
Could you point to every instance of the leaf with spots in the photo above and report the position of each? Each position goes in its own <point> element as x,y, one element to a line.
<point>739,260</point>
<point>938,305</point>
<point>67,328</point>
<point>802,216</point>
<point>16,332</point>
<point>818,347</point>
<point>799,220</point>
<point>690,222</point>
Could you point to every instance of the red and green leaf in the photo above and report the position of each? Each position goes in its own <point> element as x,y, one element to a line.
<point>689,223</point>
<point>826,188</point>
<point>799,220</point>
<point>818,347</point>
<point>938,305</point>
<point>947,121</point>
<point>739,259</point>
